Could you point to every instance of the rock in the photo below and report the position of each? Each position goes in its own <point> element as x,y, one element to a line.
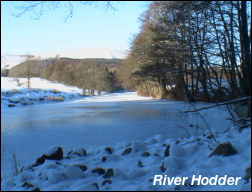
<point>248,173</point>
<point>11,105</point>
<point>166,152</point>
<point>98,170</point>
<point>40,160</point>
<point>127,151</point>
<point>82,167</point>
<point>27,184</point>
<point>209,136</point>
<point>96,185</point>
<point>41,98</point>
<point>140,164</point>
<point>162,167</point>
<point>84,152</point>
<point>109,150</point>
<point>58,98</point>
<point>224,149</point>
<point>55,155</point>
<point>104,159</point>
<point>25,103</point>
<point>109,173</point>
<point>55,91</point>
<point>177,142</point>
<point>13,101</point>
<point>145,154</point>
<point>106,181</point>
<point>36,189</point>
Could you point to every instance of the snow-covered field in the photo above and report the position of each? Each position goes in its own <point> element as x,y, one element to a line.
<point>129,165</point>
<point>14,91</point>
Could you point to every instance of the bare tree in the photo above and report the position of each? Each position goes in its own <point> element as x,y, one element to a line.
<point>202,49</point>
<point>38,8</point>
<point>28,70</point>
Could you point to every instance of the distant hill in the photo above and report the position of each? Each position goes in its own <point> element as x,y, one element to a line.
<point>91,74</point>
<point>39,65</point>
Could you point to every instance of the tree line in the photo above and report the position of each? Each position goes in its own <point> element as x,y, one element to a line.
<point>191,50</point>
<point>89,74</point>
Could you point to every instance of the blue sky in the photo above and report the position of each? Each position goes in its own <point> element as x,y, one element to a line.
<point>91,32</point>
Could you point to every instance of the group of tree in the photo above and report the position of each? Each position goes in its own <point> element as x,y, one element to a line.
<point>88,74</point>
<point>196,50</point>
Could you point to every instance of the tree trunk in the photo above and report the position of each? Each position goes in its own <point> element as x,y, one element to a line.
<point>246,60</point>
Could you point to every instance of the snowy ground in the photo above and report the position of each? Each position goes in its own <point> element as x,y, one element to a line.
<point>14,91</point>
<point>129,165</point>
<point>133,165</point>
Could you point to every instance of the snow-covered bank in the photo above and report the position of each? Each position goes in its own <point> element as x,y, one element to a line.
<point>133,165</point>
<point>14,91</point>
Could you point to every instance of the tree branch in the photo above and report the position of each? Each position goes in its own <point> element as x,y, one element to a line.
<point>40,7</point>
<point>219,104</point>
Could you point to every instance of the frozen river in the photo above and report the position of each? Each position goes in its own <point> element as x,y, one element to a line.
<point>95,121</point>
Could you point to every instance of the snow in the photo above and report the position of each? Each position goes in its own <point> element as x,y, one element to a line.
<point>139,146</point>
<point>40,91</point>
<point>113,97</point>
<point>8,83</point>
<point>51,150</point>
<point>188,157</point>
<point>11,60</point>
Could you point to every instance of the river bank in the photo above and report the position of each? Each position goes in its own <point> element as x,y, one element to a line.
<point>116,131</point>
